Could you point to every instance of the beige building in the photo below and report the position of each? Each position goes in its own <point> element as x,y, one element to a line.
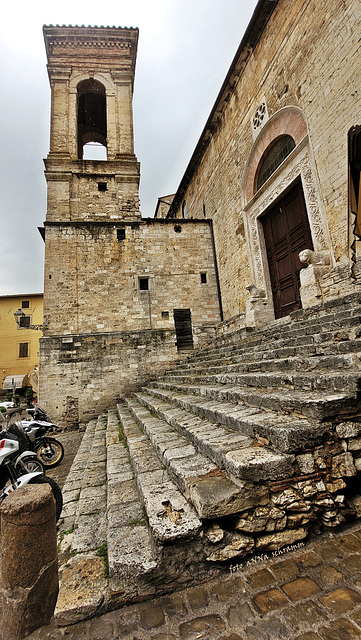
<point>19,345</point>
<point>264,221</point>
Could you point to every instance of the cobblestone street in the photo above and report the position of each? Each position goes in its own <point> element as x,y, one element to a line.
<point>310,592</point>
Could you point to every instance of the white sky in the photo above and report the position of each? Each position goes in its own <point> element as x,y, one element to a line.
<point>185,49</point>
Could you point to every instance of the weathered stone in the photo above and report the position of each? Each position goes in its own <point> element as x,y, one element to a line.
<point>343,466</point>
<point>215,533</point>
<point>278,540</point>
<point>348,429</point>
<point>354,444</point>
<point>306,463</point>
<point>240,546</point>
<point>82,589</point>
<point>216,496</point>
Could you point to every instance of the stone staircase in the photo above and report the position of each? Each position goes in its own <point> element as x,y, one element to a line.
<point>241,449</point>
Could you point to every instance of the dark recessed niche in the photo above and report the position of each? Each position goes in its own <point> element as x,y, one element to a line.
<point>102,186</point>
<point>203,278</point>
<point>177,228</point>
<point>165,314</point>
<point>143,284</point>
<point>120,234</point>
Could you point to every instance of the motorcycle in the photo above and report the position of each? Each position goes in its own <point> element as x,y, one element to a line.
<point>48,450</point>
<point>19,467</point>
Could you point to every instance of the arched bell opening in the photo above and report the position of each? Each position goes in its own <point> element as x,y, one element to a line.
<point>92,120</point>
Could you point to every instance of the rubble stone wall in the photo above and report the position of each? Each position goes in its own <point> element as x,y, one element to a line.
<point>319,494</point>
<point>82,375</point>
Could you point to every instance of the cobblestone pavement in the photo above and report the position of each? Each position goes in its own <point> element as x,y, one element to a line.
<point>309,593</point>
<point>70,441</point>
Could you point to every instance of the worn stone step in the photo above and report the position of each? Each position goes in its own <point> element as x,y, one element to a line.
<point>170,516</point>
<point>307,381</point>
<point>322,323</point>
<point>245,460</point>
<point>307,403</point>
<point>131,552</point>
<point>286,433</point>
<point>213,492</point>
<point>236,364</point>
<point>306,350</point>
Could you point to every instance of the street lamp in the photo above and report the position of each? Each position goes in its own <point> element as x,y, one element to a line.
<point>19,314</point>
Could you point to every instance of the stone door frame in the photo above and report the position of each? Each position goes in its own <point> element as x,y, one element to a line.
<point>299,165</point>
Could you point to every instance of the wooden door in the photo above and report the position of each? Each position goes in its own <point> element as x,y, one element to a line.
<point>183,329</point>
<point>287,232</point>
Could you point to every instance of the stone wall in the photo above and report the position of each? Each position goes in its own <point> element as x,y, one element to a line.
<point>93,271</point>
<point>82,375</point>
<point>304,65</point>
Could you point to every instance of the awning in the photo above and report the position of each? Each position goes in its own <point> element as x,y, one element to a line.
<point>19,381</point>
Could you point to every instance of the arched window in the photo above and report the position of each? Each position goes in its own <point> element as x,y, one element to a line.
<point>273,158</point>
<point>92,120</point>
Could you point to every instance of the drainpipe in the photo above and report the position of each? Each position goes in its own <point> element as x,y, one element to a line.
<point>216,270</point>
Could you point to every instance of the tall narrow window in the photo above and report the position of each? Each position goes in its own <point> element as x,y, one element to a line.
<point>92,120</point>
<point>23,350</point>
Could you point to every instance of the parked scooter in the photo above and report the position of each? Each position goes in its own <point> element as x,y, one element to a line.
<point>48,450</point>
<point>19,467</point>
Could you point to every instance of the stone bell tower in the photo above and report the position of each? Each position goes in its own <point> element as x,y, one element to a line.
<point>89,201</point>
<point>91,72</point>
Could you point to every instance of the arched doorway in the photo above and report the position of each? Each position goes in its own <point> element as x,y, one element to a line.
<point>286,232</point>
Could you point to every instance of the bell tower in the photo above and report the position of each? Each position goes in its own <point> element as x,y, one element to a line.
<point>91,73</point>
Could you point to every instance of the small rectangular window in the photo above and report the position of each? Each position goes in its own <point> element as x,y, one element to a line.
<point>25,322</point>
<point>143,284</point>
<point>23,350</point>
<point>102,186</point>
<point>25,304</point>
<point>120,234</point>
<point>165,314</point>
<point>203,278</point>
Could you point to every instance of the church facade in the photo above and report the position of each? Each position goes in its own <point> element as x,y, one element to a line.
<point>264,222</point>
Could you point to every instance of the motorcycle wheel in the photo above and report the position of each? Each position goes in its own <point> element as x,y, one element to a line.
<point>53,457</point>
<point>55,489</point>
<point>33,465</point>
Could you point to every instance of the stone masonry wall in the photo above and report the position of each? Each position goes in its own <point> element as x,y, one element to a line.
<point>92,276</point>
<point>82,375</point>
<point>307,57</point>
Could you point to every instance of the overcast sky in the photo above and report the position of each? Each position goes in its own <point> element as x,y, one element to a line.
<point>185,49</point>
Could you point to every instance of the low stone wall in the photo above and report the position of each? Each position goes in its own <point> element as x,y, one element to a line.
<point>320,494</point>
<point>82,375</point>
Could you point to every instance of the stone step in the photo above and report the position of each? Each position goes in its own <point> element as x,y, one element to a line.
<point>245,458</point>
<point>285,432</point>
<point>83,522</point>
<point>325,323</point>
<point>247,364</point>
<point>311,404</point>
<point>212,491</point>
<point>307,381</point>
<point>131,551</point>
<point>169,514</point>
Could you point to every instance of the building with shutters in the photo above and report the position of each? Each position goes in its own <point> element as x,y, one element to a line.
<point>19,345</point>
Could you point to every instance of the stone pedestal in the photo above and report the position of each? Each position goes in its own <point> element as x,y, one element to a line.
<point>29,561</point>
